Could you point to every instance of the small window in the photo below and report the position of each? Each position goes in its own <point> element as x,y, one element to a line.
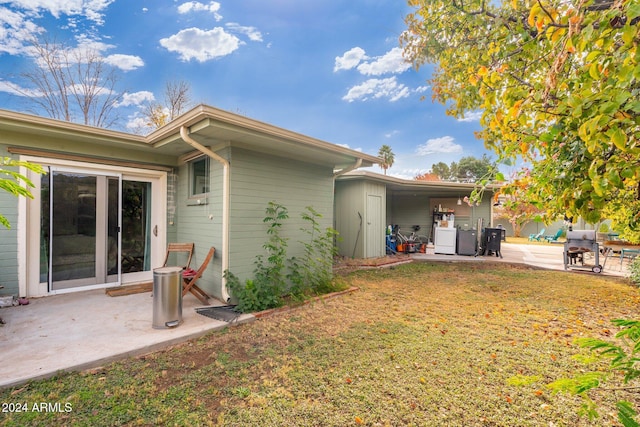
<point>199,172</point>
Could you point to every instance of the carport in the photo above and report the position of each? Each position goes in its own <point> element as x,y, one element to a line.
<point>367,202</point>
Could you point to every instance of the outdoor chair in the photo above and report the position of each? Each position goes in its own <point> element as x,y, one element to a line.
<point>629,253</point>
<point>190,277</point>
<point>554,238</point>
<point>184,248</point>
<point>537,236</point>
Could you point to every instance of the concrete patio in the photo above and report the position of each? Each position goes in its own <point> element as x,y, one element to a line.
<point>82,330</point>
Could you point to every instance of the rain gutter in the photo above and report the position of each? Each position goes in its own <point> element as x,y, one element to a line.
<point>184,133</point>
<point>356,165</point>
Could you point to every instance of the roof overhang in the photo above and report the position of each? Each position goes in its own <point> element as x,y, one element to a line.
<point>209,126</point>
<point>433,188</point>
<point>214,127</point>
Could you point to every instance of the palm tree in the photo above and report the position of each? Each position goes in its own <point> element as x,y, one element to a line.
<point>387,157</point>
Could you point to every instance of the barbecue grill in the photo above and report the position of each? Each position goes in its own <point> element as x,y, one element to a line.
<point>578,244</point>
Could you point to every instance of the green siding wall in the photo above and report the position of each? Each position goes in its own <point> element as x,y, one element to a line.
<point>8,240</point>
<point>201,224</point>
<point>257,179</point>
<point>351,200</point>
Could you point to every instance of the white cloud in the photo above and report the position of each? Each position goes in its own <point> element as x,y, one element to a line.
<point>347,146</point>
<point>124,62</point>
<point>16,31</point>
<point>196,6</point>
<point>377,88</point>
<point>201,45</point>
<point>138,124</point>
<point>349,59</point>
<point>90,9</point>
<point>391,62</point>
<point>445,144</point>
<point>392,133</point>
<point>472,116</point>
<point>14,89</point>
<point>136,98</point>
<point>251,32</point>
<point>409,173</point>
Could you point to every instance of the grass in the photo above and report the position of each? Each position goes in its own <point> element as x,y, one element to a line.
<point>526,241</point>
<point>460,344</point>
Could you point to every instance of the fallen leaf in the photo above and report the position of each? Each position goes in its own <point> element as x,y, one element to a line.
<point>359,421</point>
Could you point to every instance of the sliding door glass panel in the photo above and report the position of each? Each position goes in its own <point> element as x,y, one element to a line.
<point>136,226</point>
<point>73,230</point>
<point>113,225</point>
<point>44,227</point>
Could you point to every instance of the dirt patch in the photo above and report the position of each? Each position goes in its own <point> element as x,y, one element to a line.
<point>343,265</point>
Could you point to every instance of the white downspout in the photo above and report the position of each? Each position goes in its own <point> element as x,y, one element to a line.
<point>184,133</point>
<point>356,165</point>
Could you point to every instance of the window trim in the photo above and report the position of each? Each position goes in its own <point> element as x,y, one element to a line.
<point>191,172</point>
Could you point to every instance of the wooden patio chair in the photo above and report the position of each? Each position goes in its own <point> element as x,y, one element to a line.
<point>189,280</point>
<point>186,248</point>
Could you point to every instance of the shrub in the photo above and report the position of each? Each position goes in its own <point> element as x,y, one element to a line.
<point>634,271</point>
<point>623,367</point>
<point>313,272</point>
<point>310,274</point>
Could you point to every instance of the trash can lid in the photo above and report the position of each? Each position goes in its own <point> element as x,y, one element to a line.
<point>167,270</point>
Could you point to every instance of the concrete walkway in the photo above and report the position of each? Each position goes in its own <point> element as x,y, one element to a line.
<point>542,256</point>
<point>82,330</point>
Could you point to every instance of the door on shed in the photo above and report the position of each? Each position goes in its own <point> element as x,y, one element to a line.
<point>374,241</point>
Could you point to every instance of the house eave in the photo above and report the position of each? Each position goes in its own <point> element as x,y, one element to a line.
<point>211,126</point>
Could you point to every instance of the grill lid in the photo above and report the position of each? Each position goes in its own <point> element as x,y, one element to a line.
<point>581,235</point>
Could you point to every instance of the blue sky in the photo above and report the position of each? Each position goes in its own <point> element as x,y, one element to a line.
<point>330,69</point>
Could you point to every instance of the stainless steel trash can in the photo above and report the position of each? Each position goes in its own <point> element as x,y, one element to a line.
<point>167,297</point>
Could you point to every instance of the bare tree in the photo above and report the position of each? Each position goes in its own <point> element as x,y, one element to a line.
<point>73,84</point>
<point>176,100</point>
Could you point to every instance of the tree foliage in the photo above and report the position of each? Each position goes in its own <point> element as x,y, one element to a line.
<point>557,84</point>
<point>442,170</point>
<point>516,209</point>
<point>74,85</point>
<point>13,182</point>
<point>387,156</point>
<point>429,176</point>
<point>468,169</point>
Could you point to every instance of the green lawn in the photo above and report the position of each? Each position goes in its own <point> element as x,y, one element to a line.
<point>448,344</point>
<point>525,240</point>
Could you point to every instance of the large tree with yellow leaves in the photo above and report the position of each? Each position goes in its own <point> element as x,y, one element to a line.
<point>558,82</point>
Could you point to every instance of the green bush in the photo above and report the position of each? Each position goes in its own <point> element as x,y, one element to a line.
<point>275,275</point>
<point>622,375</point>
<point>312,274</point>
<point>634,271</point>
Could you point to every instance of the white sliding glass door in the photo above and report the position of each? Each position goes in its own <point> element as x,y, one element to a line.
<point>94,227</point>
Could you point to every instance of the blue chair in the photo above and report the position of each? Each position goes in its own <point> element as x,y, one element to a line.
<point>554,238</point>
<point>628,253</point>
<point>538,236</point>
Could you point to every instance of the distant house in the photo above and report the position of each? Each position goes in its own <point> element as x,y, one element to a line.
<point>110,201</point>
